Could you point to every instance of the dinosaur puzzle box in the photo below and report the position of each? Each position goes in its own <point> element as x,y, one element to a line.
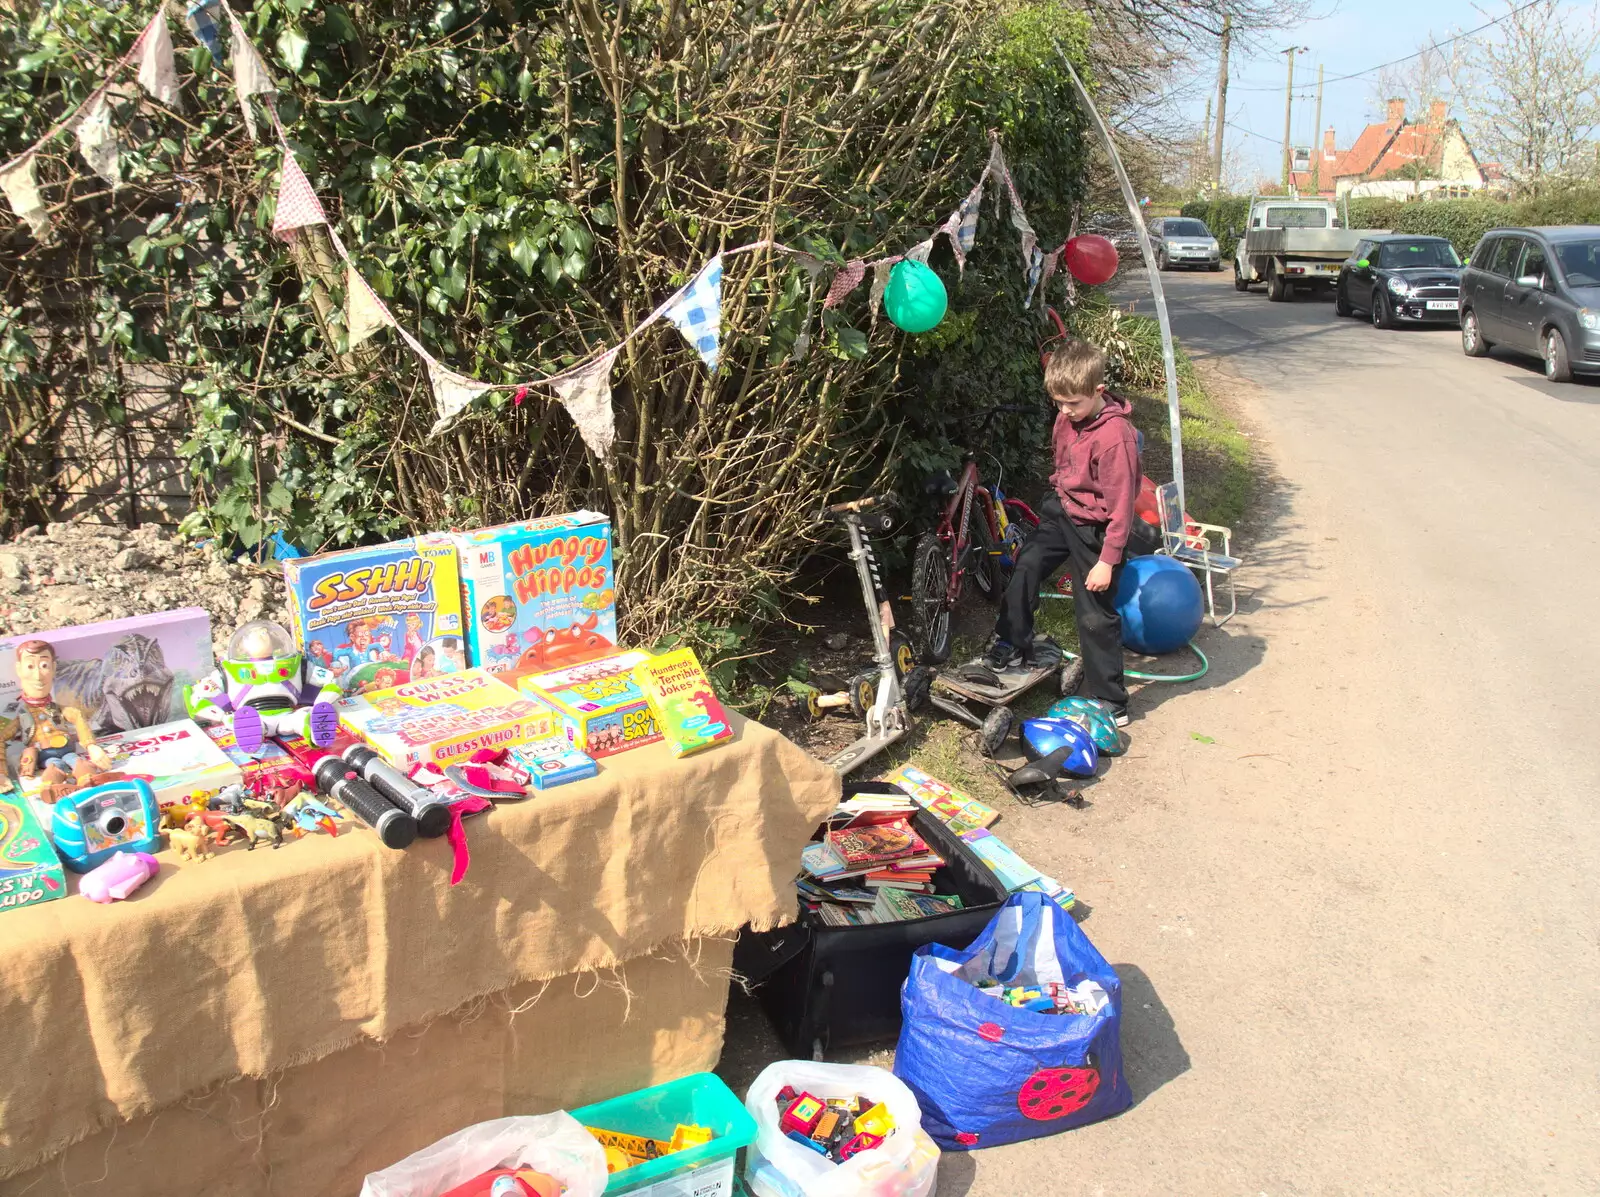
<point>123,673</point>
<point>444,720</point>
<point>380,616</point>
<point>538,594</point>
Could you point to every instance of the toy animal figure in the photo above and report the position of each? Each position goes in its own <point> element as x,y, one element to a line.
<point>192,841</point>
<point>118,876</point>
<point>229,799</point>
<point>265,688</point>
<point>59,746</point>
<point>257,830</point>
<point>308,814</point>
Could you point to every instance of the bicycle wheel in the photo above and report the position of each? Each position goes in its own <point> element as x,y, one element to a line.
<point>983,552</point>
<point>930,608</point>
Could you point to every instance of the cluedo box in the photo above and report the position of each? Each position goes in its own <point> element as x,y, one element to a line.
<point>177,759</point>
<point>687,710</point>
<point>380,616</point>
<point>122,673</point>
<point>538,594</point>
<point>444,720</point>
<point>600,706</point>
<point>30,870</point>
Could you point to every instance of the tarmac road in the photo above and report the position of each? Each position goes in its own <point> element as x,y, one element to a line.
<point>1357,929</point>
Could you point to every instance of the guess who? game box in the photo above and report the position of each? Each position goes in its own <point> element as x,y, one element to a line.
<point>538,594</point>
<point>444,720</point>
<point>600,705</point>
<point>381,616</point>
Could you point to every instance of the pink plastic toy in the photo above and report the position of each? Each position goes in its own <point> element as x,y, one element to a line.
<point>118,877</point>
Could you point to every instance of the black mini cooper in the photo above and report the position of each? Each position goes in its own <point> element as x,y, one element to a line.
<point>1399,278</point>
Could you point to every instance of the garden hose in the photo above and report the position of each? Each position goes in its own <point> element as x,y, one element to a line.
<point>1205,667</point>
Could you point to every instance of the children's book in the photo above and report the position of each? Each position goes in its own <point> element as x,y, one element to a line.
<point>877,843</point>
<point>688,714</point>
<point>944,802</point>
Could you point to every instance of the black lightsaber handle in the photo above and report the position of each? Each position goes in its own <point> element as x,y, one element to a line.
<point>431,812</point>
<point>336,779</point>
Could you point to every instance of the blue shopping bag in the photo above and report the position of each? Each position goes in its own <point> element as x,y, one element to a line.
<point>986,1072</point>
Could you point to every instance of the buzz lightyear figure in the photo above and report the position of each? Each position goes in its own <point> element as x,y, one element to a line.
<point>265,688</point>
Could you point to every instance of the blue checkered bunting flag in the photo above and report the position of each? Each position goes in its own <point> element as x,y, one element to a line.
<point>697,311</point>
<point>201,18</point>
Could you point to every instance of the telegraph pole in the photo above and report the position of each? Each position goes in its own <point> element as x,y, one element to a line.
<point>1222,102</point>
<point>1316,139</point>
<point>1288,110</point>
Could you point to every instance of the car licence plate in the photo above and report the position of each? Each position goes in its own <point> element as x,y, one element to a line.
<point>1442,305</point>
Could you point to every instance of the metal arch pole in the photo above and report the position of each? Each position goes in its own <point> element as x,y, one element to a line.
<point>1168,361</point>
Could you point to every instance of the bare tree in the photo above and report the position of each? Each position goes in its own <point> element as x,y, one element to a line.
<point>1430,75</point>
<point>1531,94</point>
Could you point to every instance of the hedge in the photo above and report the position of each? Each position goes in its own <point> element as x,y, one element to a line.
<point>1463,221</point>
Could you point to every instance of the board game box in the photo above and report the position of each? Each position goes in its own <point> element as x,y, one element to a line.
<point>444,720</point>
<point>381,616</point>
<point>538,594</point>
<point>553,762</point>
<point>599,704</point>
<point>30,870</point>
<point>686,708</point>
<point>122,673</point>
<point>272,760</point>
<point>176,759</point>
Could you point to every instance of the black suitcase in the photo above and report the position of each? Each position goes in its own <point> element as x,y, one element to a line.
<point>828,987</point>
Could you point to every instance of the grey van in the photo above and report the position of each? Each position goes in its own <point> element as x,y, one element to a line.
<point>1536,291</point>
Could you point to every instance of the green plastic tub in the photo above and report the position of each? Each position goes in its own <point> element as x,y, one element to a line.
<point>704,1171</point>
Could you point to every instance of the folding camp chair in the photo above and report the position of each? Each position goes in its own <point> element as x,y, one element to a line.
<point>1190,542</point>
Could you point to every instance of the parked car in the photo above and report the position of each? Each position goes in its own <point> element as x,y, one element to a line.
<point>1184,241</point>
<point>1398,277</point>
<point>1536,291</point>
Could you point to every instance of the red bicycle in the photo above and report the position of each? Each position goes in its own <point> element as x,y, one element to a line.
<point>979,532</point>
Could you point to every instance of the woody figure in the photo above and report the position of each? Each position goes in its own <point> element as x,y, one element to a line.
<point>56,738</point>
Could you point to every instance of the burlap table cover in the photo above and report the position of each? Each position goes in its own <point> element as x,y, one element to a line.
<point>244,966</point>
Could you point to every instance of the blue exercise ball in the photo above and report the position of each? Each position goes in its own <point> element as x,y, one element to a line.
<point>1160,604</point>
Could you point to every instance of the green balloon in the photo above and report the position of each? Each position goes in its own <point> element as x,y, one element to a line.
<point>915,298</point>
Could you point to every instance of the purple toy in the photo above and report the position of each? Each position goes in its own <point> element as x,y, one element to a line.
<point>117,877</point>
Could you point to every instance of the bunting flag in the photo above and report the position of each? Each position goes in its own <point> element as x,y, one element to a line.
<point>962,226</point>
<point>920,251</point>
<point>364,312</point>
<point>802,342</point>
<point>250,76</point>
<point>157,73</point>
<point>201,18</point>
<point>452,392</point>
<point>97,141</point>
<point>21,189</point>
<point>586,394</point>
<point>1051,261</point>
<point>880,283</point>
<point>1019,218</point>
<point>845,281</point>
<point>697,311</point>
<point>1035,271</point>
<point>298,205</point>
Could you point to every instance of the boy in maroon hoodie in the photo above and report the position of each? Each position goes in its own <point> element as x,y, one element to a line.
<point>1083,522</point>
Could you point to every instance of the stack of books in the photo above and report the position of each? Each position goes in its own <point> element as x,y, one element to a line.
<point>955,809</point>
<point>876,869</point>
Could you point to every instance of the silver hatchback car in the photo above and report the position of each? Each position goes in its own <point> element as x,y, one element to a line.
<point>1184,241</point>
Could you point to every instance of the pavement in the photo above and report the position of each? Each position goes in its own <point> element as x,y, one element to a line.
<point>1348,879</point>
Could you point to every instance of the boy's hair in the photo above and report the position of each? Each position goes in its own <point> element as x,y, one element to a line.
<point>1075,368</point>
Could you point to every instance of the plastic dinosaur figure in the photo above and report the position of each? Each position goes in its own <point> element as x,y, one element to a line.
<point>58,744</point>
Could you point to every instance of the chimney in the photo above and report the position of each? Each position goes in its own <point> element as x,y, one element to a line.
<point>1436,113</point>
<point>1397,113</point>
<point>1327,145</point>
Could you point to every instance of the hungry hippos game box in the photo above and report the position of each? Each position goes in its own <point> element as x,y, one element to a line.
<point>444,720</point>
<point>380,616</point>
<point>538,594</point>
<point>122,673</point>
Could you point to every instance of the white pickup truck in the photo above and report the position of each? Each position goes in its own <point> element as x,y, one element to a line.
<point>1292,243</point>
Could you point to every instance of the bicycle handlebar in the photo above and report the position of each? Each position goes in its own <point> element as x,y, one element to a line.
<point>861,506</point>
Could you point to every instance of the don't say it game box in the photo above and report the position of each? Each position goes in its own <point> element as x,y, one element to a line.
<point>381,616</point>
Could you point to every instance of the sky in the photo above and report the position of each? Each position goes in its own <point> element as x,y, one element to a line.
<point>1344,36</point>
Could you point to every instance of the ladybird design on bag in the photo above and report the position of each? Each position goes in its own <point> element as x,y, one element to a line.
<point>1054,1093</point>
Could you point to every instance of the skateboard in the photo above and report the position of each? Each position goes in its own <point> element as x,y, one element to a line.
<point>957,691</point>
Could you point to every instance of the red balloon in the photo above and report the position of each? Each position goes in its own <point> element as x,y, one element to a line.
<point>1092,259</point>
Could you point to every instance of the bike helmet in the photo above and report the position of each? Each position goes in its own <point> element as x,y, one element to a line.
<point>1059,745</point>
<point>1091,715</point>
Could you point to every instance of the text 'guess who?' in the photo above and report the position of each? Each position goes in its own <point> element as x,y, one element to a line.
<point>915,297</point>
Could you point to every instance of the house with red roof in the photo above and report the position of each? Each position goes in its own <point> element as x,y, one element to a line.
<point>1396,158</point>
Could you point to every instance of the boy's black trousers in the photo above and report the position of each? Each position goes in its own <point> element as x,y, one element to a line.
<point>1058,541</point>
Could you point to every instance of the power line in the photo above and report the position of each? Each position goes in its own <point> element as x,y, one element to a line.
<point>1419,53</point>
